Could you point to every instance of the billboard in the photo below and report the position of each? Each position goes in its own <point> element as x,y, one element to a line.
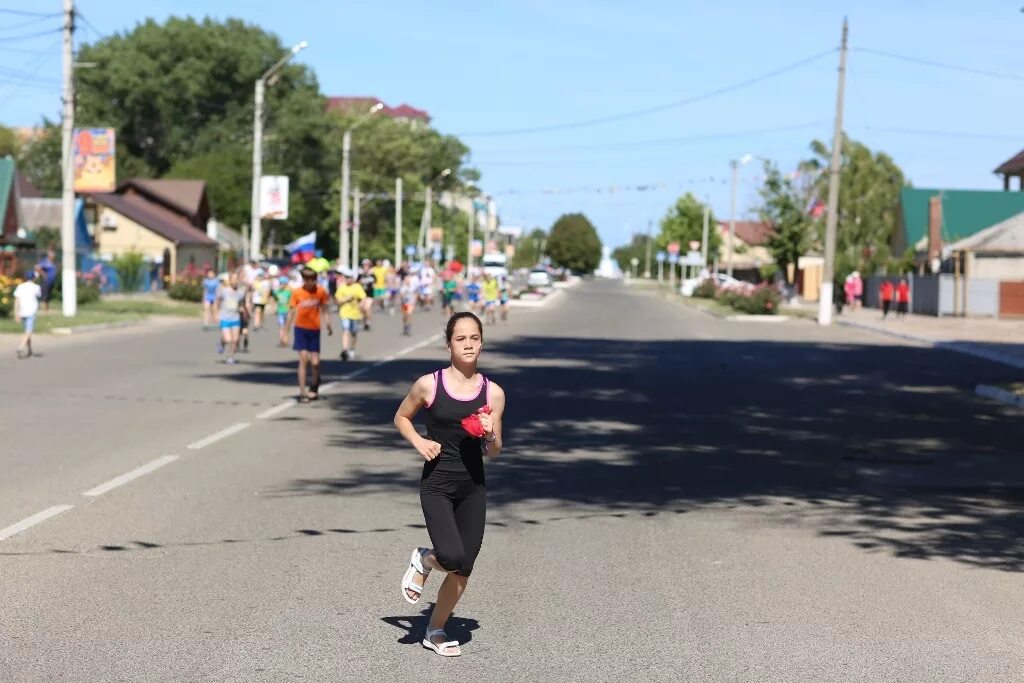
<point>95,165</point>
<point>274,197</point>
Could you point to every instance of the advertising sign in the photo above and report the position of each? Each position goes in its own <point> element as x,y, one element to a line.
<point>94,154</point>
<point>274,197</point>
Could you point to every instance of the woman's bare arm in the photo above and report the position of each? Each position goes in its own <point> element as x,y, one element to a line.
<point>418,395</point>
<point>492,423</point>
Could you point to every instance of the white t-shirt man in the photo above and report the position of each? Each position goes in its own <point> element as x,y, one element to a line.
<point>26,298</point>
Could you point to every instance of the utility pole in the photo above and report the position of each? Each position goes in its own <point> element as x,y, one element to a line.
<point>421,243</point>
<point>343,247</point>
<point>69,286</point>
<point>398,222</point>
<point>647,260</point>
<point>355,229</point>
<point>832,220</point>
<point>732,216</point>
<point>704,234</point>
<point>472,229</point>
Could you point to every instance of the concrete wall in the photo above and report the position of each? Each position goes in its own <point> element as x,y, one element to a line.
<point>995,267</point>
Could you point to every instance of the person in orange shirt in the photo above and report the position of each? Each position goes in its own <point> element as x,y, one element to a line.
<point>307,308</point>
<point>902,298</point>
<point>886,293</point>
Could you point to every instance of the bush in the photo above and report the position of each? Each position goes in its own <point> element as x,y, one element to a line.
<point>7,285</point>
<point>131,269</point>
<point>706,289</point>
<point>87,288</point>
<point>763,300</point>
<point>188,286</point>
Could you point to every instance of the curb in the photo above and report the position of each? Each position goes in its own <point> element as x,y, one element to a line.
<point>998,394</point>
<point>967,348</point>
<point>537,303</point>
<point>748,318</point>
<point>66,331</point>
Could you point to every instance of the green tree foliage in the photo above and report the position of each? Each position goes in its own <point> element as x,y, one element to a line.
<point>869,191</point>
<point>529,249</point>
<point>637,248</point>
<point>783,209</point>
<point>684,222</point>
<point>39,160</point>
<point>8,142</point>
<point>574,243</point>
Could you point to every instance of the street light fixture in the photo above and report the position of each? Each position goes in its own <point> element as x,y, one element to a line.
<point>343,223</point>
<point>268,78</point>
<point>735,164</point>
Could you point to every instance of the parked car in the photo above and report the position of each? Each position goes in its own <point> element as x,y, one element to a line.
<point>538,277</point>
<point>721,280</point>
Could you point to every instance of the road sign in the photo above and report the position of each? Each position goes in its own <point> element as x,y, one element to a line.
<point>673,247</point>
<point>694,245</point>
<point>673,259</point>
<point>410,250</point>
<point>635,261</point>
<point>660,257</point>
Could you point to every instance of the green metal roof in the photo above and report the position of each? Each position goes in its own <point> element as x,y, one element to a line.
<point>6,186</point>
<point>964,212</point>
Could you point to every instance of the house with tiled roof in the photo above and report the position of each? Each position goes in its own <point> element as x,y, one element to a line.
<point>750,249</point>
<point>403,113</point>
<point>165,220</point>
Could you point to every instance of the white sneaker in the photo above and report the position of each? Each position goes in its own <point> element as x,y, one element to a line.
<point>351,355</point>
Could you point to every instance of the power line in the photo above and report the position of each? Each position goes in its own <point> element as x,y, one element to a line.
<point>944,133</point>
<point>663,107</point>
<point>30,36</point>
<point>88,24</point>
<point>24,13</point>
<point>27,22</point>
<point>938,65</point>
<point>661,141</point>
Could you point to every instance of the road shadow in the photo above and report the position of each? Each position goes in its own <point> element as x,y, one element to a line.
<point>415,627</point>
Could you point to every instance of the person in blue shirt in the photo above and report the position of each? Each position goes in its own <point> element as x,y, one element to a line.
<point>49,270</point>
<point>210,285</point>
<point>473,294</point>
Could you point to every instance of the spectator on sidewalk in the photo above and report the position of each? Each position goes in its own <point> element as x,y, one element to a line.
<point>885,293</point>
<point>902,298</point>
<point>858,290</point>
<point>49,271</point>
<point>26,304</point>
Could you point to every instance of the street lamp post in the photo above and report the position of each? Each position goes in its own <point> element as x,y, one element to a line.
<point>735,164</point>
<point>256,231</point>
<point>346,150</point>
<point>421,243</point>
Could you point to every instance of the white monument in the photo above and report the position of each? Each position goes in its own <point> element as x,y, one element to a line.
<point>608,267</point>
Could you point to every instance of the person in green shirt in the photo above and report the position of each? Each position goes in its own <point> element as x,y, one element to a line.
<point>282,295</point>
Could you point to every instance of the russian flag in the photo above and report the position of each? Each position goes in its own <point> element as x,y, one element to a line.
<point>303,248</point>
<point>815,208</point>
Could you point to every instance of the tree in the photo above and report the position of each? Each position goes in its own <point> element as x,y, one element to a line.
<point>130,268</point>
<point>529,249</point>
<point>39,160</point>
<point>8,142</point>
<point>684,223</point>
<point>784,210</point>
<point>574,243</point>
<point>637,248</point>
<point>869,191</point>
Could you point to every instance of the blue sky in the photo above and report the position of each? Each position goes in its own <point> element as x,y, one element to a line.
<point>503,66</point>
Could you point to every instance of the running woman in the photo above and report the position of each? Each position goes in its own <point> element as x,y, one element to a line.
<point>505,291</point>
<point>490,290</point>
<point>260,299</point>
<point>473,294</point>
<point>350,297</point>
<point>367,279</point>
<point>407,294</point>
<point>230,307</point>
<point>282,295</point>
<point>210,286</point>
<point>453,492</point>
<point>306,309</point>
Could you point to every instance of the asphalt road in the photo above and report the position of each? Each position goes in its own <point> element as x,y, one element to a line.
<point>680,498</point>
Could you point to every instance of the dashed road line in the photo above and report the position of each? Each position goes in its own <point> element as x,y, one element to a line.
<point>279,408</point>
<point>222,434</point>
<point>129,476</point>
<point>29,522</point>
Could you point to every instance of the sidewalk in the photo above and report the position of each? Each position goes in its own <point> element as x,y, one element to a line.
<point>997,340</point>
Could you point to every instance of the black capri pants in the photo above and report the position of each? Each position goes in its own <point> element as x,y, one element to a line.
<point>455,511</point>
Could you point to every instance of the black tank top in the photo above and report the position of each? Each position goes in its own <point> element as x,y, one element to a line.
<point>461,454</point>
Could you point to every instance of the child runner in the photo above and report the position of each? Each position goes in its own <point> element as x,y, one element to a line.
<point>282,295</point>
<point>427,276</point>
<point>306,309</point>
<point>260,299</point>
<point>473,294</point>
<point>367,279</point>
<point>408,294</point>
<point>26,305</point>
<point>453,492</point>
<point>504,294</point>
<point>490,290</point>
<point>380,283</point>
<point>449,285</point>
<point>350,297</point>
<point>394,282</point>
<point>210,286</point>
<point>230,305</point>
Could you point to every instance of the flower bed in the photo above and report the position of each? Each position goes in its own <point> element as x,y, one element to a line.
<point>744,298</point>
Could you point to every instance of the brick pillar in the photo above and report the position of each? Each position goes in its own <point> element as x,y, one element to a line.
<point>934,229</point>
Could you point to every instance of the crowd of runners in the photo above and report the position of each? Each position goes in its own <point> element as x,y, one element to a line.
<point>306,299</point>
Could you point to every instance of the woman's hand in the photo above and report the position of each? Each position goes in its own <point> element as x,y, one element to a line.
<point>428,449</point>
<point>487,422</point>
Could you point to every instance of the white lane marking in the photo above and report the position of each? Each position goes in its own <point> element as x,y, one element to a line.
<point>33,520</point>
<point>222,434</point>
<point>280,408</point>
<point>128,476</point>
